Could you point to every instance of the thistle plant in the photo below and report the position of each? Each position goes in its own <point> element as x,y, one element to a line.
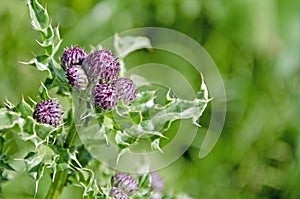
<point>101,90</point>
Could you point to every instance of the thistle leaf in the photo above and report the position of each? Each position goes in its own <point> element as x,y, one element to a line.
<point>50,42</point>
<point>83,155</point>
<point>136,116</point>
<point>145,118</point>
<point>39,62</point>
<point>9,119</point>
<point>43,130</point>
<point>6,166</point>
<point>43,92</point>
<point>39,16</point>
<point>43,154</point>
<point>124,140</point>
<point>36,163</point>
<point>155,145</point>
<point>144,182</point>
<point>24,109</point>
<point>28,126</point>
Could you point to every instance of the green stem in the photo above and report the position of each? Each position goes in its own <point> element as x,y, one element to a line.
<point>60,177</point>
<point>72,136</point>
<point>57,185</point>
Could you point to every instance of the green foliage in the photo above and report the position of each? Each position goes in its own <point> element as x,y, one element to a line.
<point>51,42</point>
<point>147,119</point>
<point>144,184</point>
<point>40,19</point>
<point>56,150</point>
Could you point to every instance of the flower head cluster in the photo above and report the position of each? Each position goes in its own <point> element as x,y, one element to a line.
<point>100,67</point>
<point>123,183</point>
<point>48,112</point>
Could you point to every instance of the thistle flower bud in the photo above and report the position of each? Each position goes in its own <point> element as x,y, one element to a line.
<point>126,89</point>
<point>125,182</point>
<point>101,65</point>
<point>105,96</point>
<point>73,56</point>
<point>156,182</point>
<point>48,112</point>
<point>118,193</point>
<point>77,77</point>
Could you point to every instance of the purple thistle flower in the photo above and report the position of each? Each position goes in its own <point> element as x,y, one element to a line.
<point>156,182</point>
<point>77,77</point>
<point>126,89</point>
<point>105,96</point>
<point>73,56</point>
<point>48,112</point>
<point>125,182</point>
<point>101,65</point>
<point>118,193</point>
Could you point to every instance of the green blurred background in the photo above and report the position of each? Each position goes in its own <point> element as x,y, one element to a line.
<point>256,46</point>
